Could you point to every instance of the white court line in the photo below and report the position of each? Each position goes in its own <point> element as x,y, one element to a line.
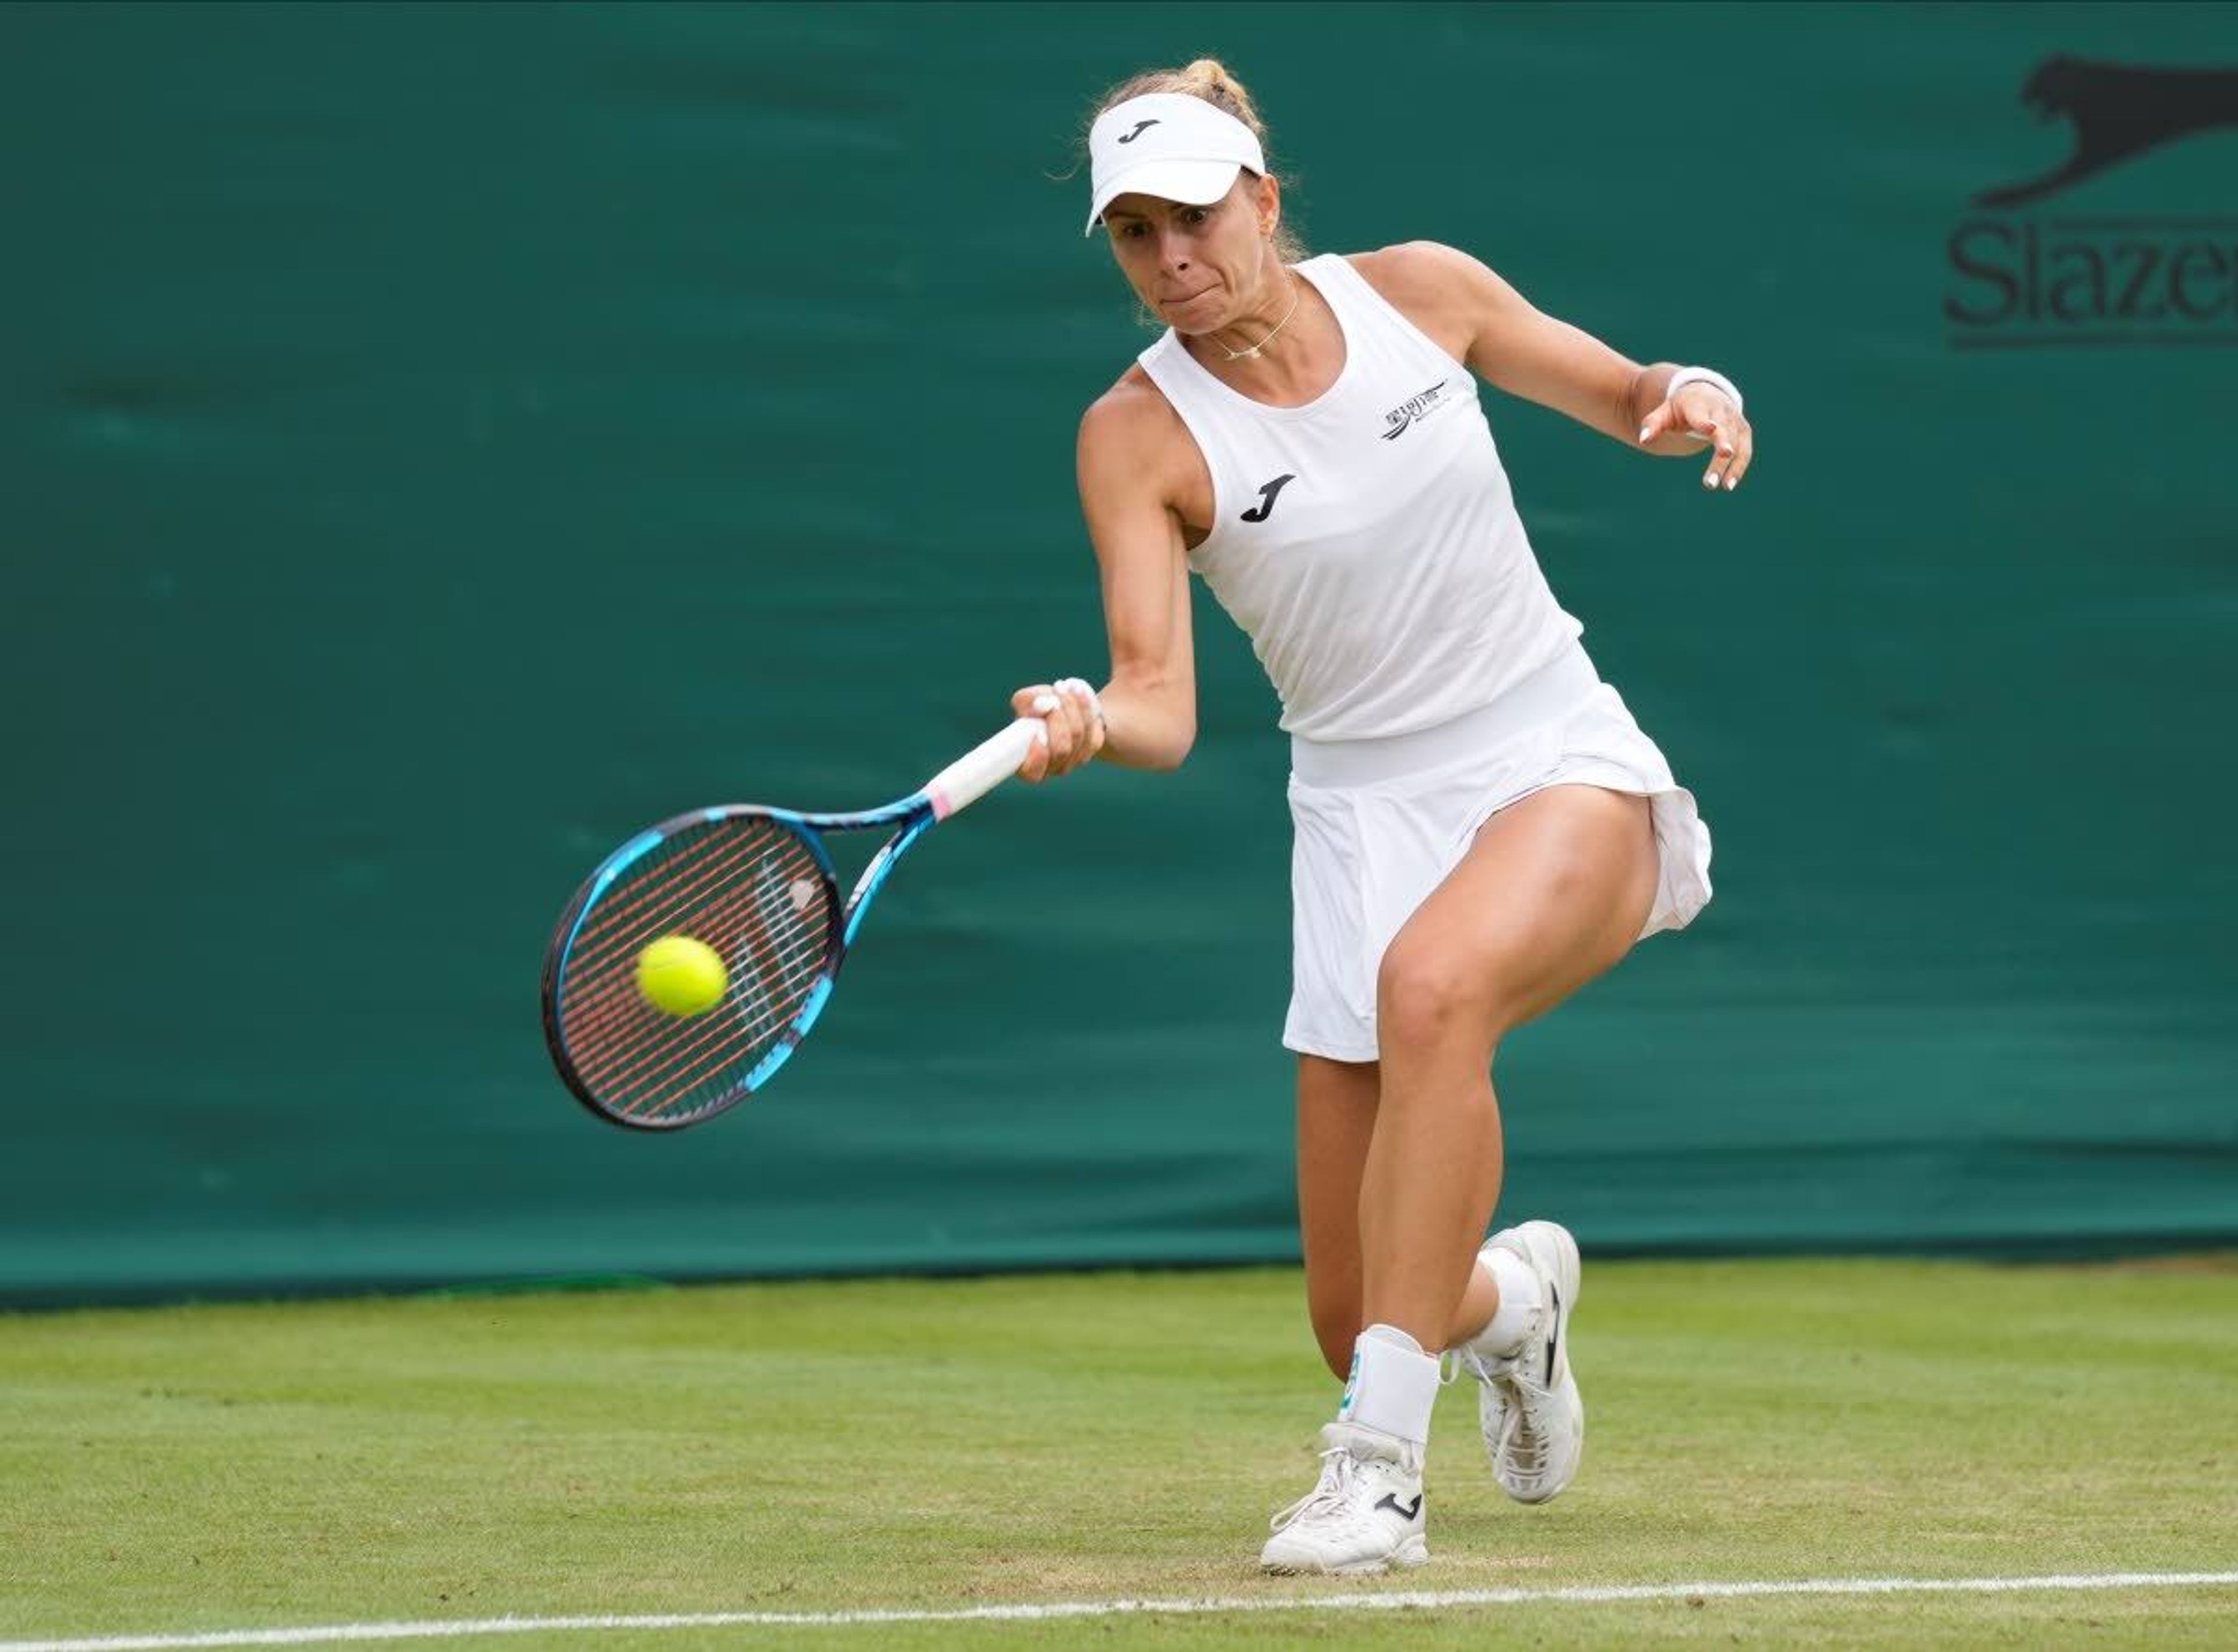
<point>1418,1599</point>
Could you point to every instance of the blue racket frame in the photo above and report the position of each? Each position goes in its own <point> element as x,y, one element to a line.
<point>916,814</point>
<point>956,787</point>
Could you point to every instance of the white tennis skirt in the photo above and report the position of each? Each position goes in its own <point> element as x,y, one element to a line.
<point>1379,823</point>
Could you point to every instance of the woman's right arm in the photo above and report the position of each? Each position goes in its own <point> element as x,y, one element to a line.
<point>1126,466</point>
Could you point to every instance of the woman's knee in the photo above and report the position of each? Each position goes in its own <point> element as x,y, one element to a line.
<point>1426,998</point>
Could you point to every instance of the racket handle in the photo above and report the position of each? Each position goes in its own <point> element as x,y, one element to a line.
<point>979,771</point>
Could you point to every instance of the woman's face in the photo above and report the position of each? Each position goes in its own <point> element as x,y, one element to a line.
<point>1196,267</point>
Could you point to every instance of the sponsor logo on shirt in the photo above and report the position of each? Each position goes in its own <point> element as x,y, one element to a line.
<point>1401,419</point>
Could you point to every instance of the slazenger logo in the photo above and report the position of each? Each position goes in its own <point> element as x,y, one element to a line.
<point>2108,277</point>
<point>1401,418</point>
<point>2118,112</point>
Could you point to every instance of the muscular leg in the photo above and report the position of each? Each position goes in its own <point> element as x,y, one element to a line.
<point>1399,1167</point>
<point>1337,1112</point>
<point>1553,892</point>
<point>1336,1120</point>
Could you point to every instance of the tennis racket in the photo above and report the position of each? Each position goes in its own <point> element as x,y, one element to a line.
<point>755,884</point>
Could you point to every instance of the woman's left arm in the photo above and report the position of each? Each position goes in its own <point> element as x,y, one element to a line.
<point>1529,353</point>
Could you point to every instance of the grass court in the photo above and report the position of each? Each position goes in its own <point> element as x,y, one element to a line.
<point>936,1446</point>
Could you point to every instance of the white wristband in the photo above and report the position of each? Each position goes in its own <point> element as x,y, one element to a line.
<point>1686,376</point>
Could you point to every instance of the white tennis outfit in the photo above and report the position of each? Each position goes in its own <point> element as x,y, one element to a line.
<point>1368,544</point>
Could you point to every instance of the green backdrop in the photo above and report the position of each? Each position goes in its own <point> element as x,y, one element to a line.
<point>438,440</point>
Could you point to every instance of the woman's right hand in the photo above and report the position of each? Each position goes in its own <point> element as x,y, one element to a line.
<point>1069,710</point>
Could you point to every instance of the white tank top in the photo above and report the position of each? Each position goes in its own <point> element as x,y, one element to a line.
<point>1367,542</point>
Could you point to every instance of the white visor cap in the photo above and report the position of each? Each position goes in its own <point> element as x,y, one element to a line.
<point>1169,145</point>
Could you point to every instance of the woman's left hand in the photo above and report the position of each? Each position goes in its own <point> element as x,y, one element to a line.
<point>1706,412</point>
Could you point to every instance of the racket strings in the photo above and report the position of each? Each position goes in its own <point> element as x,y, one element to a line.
<point>766,947</point>
<point>803,943</point>
<point>780,944</point>
<point>748,887</point>
<point>646,1054</point>
<point>701,866</point>
<point>649,1064</point>
<point>660,893</point>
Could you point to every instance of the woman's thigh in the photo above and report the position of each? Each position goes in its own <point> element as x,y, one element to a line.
<point>1554,891</point>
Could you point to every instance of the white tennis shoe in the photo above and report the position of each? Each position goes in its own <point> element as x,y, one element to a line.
<point>1364,1515</point>
<point>1527,1401</point>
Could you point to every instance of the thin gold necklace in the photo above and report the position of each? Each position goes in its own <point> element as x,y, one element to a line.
<point>1238,355</point>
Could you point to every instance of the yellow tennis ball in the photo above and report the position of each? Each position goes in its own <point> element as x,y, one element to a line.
<point>681,976</point>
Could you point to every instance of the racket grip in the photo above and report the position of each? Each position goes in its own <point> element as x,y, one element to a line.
<point>979,771</point>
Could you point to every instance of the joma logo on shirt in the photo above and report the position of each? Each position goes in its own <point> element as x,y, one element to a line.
<point>1401,418</point>
<point>1265,508</point>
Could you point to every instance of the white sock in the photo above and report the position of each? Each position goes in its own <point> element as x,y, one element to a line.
<point>1393,1385</point>
<point>1520,1302</point>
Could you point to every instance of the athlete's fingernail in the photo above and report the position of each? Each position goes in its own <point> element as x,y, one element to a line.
<point>1732,482</point>
<point>1045,704</point>
<point>1709,481</point>
<point>1643,435</point>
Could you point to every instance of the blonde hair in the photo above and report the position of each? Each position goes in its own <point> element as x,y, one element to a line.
<point>1211,80</point>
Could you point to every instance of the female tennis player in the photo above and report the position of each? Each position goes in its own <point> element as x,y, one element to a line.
<point>1480,827</point>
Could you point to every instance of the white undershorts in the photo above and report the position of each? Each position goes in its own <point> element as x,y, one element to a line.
<point>1379,823</point>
